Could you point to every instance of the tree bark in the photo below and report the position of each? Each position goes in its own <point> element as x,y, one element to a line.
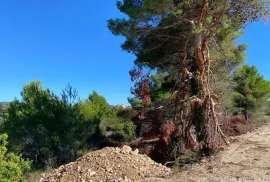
<point>246,113</point>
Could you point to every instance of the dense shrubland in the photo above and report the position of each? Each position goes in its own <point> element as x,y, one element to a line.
<point>51,130</point>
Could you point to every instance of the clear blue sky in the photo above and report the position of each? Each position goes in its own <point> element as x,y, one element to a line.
<point>67,41</point>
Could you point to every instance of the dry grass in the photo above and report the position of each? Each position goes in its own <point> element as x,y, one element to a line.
<point>34,176</point>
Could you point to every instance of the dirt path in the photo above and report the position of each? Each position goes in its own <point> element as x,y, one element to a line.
<point>247,159</point>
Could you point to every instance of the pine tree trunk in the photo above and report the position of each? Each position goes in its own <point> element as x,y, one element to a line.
<point>197,90</point>
<point>198,84</point>
<point>246,113</point>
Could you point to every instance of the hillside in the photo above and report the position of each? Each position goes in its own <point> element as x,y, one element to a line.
<point>3,103</point>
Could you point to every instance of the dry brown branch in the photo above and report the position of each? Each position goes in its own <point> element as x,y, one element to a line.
<point>150,141</point>
<point>217,127</point>
<point>205,6</point>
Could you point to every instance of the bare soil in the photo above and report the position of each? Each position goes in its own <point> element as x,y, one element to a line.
<point>246,159</point>
<point>108,164</point>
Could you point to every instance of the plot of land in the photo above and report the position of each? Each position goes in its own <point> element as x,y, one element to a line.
<point>247,159</point>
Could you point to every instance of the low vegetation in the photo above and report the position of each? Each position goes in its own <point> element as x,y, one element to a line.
<point>12,167</point>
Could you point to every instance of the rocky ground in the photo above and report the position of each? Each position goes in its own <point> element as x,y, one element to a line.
<point>108,164</point>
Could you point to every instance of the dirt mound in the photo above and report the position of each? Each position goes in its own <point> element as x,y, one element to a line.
<point>108,164</point>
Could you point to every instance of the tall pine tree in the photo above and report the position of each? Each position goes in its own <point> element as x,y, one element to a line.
<point>176,37</point>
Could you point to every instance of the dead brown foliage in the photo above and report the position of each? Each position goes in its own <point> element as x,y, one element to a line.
<point>236,125</point>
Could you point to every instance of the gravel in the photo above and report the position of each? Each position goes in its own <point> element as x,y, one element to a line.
<point>108,164</point>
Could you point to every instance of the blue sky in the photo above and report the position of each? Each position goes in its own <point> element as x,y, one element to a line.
<point>67,41</point>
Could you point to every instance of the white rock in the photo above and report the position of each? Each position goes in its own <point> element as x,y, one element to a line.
<point>102,155</point>
<point>126,149</point>
<point>135,152</point>
<point>93,173</point>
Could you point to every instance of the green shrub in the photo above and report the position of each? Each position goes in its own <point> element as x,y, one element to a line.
<point>12,167</point>
<point>117,128</point>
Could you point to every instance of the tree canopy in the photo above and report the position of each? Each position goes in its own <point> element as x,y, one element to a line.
<point>52,130</point>
<point>252,90</point>
<point>43,123</point>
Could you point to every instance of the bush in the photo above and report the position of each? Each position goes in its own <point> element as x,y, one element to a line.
<point>117,128</point>
<point>12,167</point>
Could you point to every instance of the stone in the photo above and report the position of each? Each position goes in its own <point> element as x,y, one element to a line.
<point>135,152</point>
<point>92,173</point>
<point>125,149</point>
<point>102,155</point>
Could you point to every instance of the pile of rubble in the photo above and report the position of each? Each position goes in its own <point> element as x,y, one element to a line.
<point>108,164</point>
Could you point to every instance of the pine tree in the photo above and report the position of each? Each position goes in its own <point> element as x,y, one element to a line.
<point>176,37</point>
<point>252,90</point>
